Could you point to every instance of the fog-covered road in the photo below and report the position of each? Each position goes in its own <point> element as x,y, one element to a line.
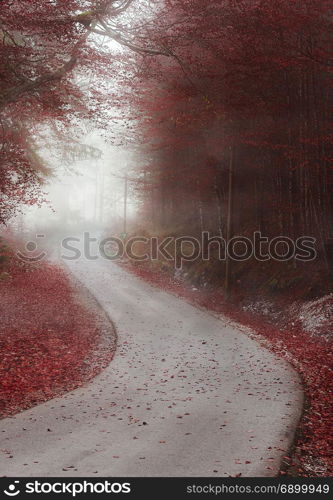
<point>185,395</point>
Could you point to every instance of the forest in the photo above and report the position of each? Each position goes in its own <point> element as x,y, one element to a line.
<point>238,137</point>
<point>225,110</point>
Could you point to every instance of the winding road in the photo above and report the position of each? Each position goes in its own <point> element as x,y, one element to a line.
<point>187,394</point>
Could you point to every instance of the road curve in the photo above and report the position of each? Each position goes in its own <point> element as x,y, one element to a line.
<point>186,395</point>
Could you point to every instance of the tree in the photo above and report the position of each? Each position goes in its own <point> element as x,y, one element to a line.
<point>255,77</point>
<point>45,48</point>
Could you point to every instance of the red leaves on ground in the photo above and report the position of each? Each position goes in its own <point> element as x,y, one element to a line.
<point>46,337</point>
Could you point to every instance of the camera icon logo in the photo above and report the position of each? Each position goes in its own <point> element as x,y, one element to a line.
<point>31,251</point>
<point>13,492</point>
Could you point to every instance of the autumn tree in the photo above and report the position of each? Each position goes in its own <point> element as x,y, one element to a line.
<point>237,132</point>
<point>55,69</point>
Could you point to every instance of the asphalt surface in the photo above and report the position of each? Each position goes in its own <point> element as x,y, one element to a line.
<point>187,394</point>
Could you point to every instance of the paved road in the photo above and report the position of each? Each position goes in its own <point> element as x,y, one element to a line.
<point>186,395</point>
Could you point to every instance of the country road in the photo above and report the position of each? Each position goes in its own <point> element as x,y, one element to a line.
<point>187,394</point>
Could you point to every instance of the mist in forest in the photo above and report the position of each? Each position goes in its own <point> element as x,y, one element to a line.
<point>85,193</point>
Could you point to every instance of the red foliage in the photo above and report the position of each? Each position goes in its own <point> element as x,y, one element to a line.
<point>47,338</point>
<point>250,78</point>
<point>41,102</point>
<point>311,357</point>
